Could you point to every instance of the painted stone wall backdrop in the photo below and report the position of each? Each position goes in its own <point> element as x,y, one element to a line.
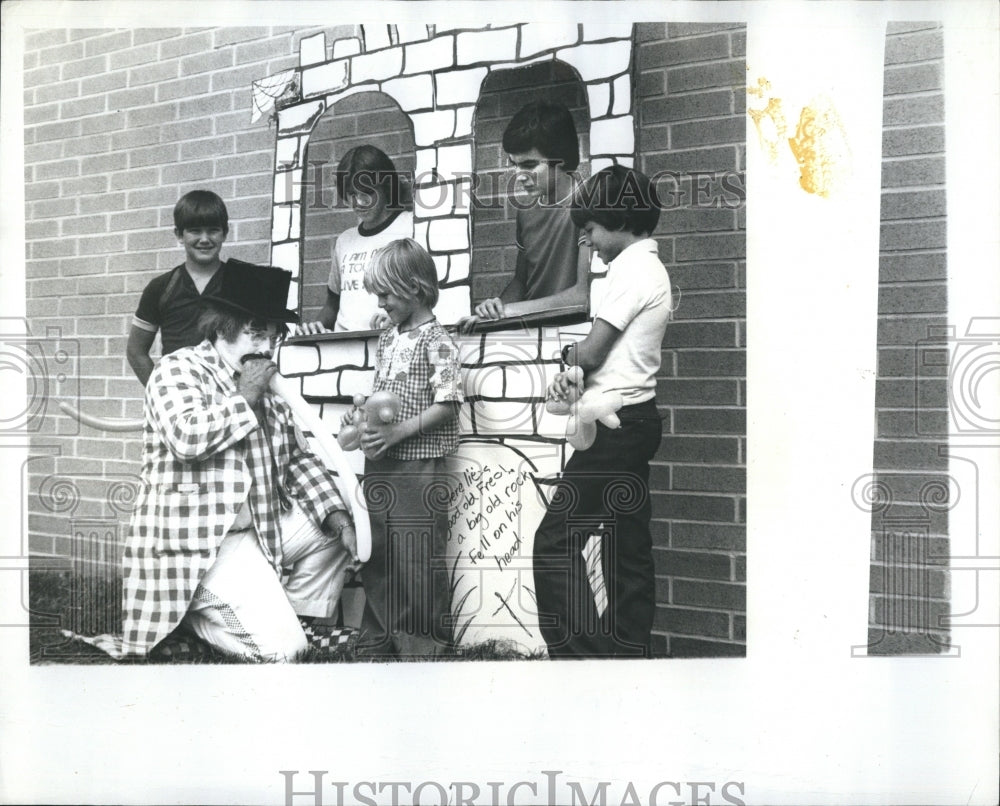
<point>702,593</point>
<point>435,75</point>
<point>910,495</point>
<point>509,440</point>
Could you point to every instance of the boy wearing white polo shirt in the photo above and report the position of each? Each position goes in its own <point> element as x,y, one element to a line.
<point>618,210</point>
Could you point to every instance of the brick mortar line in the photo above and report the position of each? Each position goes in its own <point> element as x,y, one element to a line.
<point>702,608</point>
<point>901,251</point>
<point>936,60</point>
<point>686,121</point>
<point>911,505</point>
<point>674,463</point>
<point>941,217</point>
<point>692,149</point>
<point>666,68</point>
<point>725,641</point>
<point>913,220</point>
<point>914,126</point>
<point>930,439</point>
<point>87,234</point>
<point>117,171</point>
<point>911,409</point>
<point>729,321</point>
<point>700,552</point>
<point>701,378</point>
<point>943,633</point>
<point>690,522</point>
<point>932,25</point>
<point>912,472</point>
<point>736,29</point>
<point>910,94</point>
<point>700,493</point>
<point>896,191</point>
<point>911,283</point>
<point>905,62</point>
<point>939,567</point>
<point>890,95</point>
<point>901,598</point>
<point>706,407</point>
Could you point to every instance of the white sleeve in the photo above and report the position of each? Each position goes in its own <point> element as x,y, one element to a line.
<point>333,283</point>
<point>622,303</point>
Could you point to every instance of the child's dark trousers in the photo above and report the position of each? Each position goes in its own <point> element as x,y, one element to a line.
<point>604,490</point>
<point>406,579</point>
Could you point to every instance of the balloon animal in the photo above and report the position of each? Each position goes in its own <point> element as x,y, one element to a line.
<point>585,410</point>
<point>381,407</point>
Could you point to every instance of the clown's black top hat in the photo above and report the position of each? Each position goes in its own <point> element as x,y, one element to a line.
<point>260,291</point>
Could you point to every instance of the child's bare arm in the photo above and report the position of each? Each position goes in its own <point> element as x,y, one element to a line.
<point>137,352</point>
<point>574,296</point>
<point>592,352</point>
<point>494,307</point>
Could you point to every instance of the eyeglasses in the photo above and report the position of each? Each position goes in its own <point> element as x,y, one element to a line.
<point>265,333</point>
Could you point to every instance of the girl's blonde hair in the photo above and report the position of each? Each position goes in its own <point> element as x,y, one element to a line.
<point>405,269</point>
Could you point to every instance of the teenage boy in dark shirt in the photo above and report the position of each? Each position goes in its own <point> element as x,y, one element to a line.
<point>552,268</point>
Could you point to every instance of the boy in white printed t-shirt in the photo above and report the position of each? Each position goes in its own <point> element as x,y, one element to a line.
<point>367,179</point>
<point>617,209</point>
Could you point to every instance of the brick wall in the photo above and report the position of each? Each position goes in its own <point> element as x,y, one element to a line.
<point>909,584</point>
<point>692,123</point>
<point>120,123</point>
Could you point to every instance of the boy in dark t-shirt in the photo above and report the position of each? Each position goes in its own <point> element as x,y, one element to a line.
<point>171,301</point>
<point>552,269</point>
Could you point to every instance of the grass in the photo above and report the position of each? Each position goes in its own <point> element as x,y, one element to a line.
<point>60,600</point>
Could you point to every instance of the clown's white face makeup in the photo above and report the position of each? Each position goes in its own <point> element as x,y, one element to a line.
<point>252,342</point>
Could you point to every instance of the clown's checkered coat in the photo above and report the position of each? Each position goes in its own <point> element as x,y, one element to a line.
<point>204,454</point>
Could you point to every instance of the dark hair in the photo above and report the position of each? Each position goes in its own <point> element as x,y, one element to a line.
<point>400,265</point>
<point>547,126</point>
<point>200,208</point>
<point>367,169</point>
<point>217,321</point>
<point>617,198</point>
